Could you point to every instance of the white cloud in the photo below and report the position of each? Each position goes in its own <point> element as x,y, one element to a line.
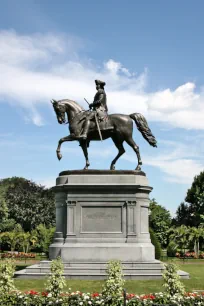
<point>37,68</point>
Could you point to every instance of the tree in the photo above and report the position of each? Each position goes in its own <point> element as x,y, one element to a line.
<point>28,203</point>
<point>160,221</point>
<point>44,237</point>
<point>194,235</point>
<point>191,212</point>
<point>182,215</point>
<point>180,235</point>
<point>13,238</point>
<point>5,223</point>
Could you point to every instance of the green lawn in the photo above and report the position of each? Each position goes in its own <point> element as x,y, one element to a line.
<point>196,282</point>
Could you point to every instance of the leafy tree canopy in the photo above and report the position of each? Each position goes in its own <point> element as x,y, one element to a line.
<point>191,213</point>
<point>27,203</point>
<point>160,221</point>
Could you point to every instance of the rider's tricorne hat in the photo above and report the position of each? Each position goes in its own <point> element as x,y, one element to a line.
<point>98,82</point>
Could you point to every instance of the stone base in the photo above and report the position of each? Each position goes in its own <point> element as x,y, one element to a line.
<point>97,270</point>
<point>103,252</point>
<point>102,215</point>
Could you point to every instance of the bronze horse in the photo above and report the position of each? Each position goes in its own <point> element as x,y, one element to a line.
<point>120,129</point>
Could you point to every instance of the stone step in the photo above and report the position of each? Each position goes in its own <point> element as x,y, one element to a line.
<point>87,270</point>
<point>97,270</point>
<point>101,265</point>
<point>96,276</point>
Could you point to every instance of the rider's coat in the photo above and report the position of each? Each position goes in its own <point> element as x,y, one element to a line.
<point>100,104</point>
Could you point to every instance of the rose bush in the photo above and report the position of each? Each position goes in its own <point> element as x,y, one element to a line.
<point>34,298</point>
<point>190,255</point>
<point>18,255</point>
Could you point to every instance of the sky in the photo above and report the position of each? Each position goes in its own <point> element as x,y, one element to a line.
<point>149,53</point>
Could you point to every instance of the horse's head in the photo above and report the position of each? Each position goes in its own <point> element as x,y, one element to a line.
<point>60,110</point>
<point>71,108</point>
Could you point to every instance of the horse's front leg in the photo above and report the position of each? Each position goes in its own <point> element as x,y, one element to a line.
<point>83,144</point>
<point>67,138</point>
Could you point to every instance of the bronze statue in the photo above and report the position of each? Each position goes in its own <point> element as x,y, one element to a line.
<point>90,125</point>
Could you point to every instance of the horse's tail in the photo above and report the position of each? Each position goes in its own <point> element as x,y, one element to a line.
<point>144,129</point>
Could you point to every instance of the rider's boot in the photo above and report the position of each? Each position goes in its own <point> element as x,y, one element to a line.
<point>85,130</point>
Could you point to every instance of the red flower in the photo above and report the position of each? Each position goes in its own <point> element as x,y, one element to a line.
<point>33,292</point>
<point>148,296</point>
<point>95,294</point>
<point>44,293</point>
<point>130,296</point>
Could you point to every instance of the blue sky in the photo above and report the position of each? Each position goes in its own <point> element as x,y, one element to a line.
<point>150,53</point>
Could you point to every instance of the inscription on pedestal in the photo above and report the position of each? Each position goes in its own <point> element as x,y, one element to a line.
<point>101,219</point>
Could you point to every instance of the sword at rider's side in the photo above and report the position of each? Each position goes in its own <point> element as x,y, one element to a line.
<point>97,124</point>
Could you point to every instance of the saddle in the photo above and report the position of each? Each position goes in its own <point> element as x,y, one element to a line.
<point>103,121</point>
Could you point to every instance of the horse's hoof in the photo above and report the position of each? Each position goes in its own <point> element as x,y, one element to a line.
<point>112,167</point>
<point>59,156</point>
<point>138,168</point>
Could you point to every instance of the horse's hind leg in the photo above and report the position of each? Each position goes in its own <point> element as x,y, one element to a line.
<point>121,151</point>
<point>131,142</point>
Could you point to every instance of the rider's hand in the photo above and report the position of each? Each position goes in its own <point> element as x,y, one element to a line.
<point>90,105</point>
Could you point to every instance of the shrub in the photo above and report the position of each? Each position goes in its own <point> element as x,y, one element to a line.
<point>201,255</point>
<point>172,283</point>
<point>156,244</point>
<point>56,280</point>
<point>113,287</point>
<point>7,269</point>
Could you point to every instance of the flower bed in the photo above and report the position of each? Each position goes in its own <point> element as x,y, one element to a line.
<point>32,298</point>
<point>18,255</point>
<point>190,255</point>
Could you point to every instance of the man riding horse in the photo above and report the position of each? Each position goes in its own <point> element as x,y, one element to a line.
<point>99,108</point>
<point>83,125</point>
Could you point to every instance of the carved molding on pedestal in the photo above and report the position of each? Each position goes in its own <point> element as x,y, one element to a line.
<point>130,203</point>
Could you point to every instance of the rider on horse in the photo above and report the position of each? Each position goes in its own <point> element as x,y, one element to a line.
<point>99,108</point>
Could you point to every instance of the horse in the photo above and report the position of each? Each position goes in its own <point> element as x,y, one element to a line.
<point>120,129</point>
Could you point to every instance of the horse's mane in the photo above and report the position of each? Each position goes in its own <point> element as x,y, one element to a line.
<point>74,104</point>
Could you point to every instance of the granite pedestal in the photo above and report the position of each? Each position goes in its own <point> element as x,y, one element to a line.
<point>100,216</point>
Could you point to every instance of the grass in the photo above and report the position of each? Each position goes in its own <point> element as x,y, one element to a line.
<point>196,281</point>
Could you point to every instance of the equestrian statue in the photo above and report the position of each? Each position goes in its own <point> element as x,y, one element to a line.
<point>96,124</point>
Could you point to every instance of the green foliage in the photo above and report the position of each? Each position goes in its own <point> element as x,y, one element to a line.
<point>156,244</point>
<point>27,203</point>
<point>160,221</point>
<point>172,249</point>
<point>7,269</point>
<point>182,215</point>
<point>194,235</point>
<point>5,223</point>
<point>13,238</point>
<point>56,281</point>
<point>44,237</point>
<point>113,287</point>
<point>191,212</point>
<point>172,283</point>
<point>180,236</point>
